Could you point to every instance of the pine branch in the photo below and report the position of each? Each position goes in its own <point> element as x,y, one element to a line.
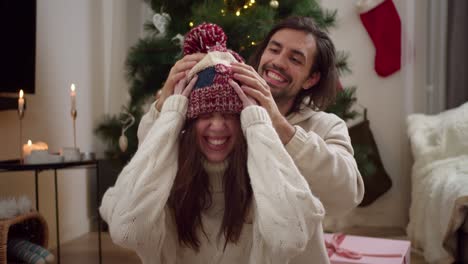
<point>362,154</point>
<point>329,19</point>
<point>344,101</point>
<point>342,63</point>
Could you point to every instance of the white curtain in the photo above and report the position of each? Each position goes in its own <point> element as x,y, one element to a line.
<point>437,56</point>
<point>122,27</point>
<point>457,54</point>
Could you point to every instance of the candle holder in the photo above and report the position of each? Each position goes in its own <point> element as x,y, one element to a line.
<point>74,113</point>
<point>20,116</point>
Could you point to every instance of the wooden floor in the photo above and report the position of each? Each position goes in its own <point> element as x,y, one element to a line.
<point>85,249</point>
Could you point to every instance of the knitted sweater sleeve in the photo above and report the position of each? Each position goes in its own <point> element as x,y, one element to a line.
<point>135,208</point>
<point>146,122</point>
<point>326,161</point>
<point>286,212</point>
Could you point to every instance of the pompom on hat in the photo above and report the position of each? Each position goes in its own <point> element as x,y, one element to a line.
<point>212,91</point>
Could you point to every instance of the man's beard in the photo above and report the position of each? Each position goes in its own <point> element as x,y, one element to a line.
<point>280,94</point>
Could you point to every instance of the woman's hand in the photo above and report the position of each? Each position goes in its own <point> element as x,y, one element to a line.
<point>246,99</point>
<point>177,73</point>
<point>183,88</point>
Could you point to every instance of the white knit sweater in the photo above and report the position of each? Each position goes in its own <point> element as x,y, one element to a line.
<point>322,151</point>
<point>286,217</point>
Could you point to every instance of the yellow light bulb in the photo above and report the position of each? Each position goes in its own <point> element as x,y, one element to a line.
<point>245,6</point>
<point>253,43</point>
<point>238,13</point>
<point>252,1</point>
<point>191,24</point>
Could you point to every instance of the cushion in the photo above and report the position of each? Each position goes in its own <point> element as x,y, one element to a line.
<point>438,137</point>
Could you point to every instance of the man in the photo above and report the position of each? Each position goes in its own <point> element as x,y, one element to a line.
<point>294,77</point>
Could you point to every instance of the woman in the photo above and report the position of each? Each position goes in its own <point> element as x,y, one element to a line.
<point>211,182</point>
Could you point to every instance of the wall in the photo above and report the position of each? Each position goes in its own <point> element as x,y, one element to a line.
<point>388,100</point>
<point>84,42</point>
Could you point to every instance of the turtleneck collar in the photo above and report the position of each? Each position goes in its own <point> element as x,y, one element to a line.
<point>215,173</point>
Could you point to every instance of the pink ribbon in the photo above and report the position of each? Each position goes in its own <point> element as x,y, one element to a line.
<point>333,247</point>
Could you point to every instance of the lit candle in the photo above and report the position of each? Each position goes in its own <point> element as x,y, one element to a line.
<point>28,148</point>
<point>21,101</point>
<point>73,97</point>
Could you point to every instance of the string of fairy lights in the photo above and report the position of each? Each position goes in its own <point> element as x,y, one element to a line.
<point>238,12</point>
<point>247,5</point>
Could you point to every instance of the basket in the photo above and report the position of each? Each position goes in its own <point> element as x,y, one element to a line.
<point>31,225</point>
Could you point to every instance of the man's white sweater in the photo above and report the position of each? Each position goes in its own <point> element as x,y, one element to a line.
<point>286,218</point>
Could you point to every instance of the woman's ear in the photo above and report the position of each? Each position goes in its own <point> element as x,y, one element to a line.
<point>311,81</point>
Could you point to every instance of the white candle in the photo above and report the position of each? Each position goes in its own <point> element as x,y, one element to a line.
<point>21,101</point>
<point>28,148</point>
<point>73,97</point>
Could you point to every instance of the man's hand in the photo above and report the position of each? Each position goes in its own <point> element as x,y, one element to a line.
<point>177,73</point>
<point>256,87</point>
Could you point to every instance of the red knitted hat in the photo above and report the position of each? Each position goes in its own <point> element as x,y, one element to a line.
<point>212,92</point>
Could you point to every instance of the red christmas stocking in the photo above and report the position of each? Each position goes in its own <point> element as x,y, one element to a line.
<point>382,22</point>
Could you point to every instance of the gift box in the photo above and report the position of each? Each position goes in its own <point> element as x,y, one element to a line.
<point>345,249</point>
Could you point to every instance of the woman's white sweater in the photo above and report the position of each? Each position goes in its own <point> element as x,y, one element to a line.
<point>286,218</point>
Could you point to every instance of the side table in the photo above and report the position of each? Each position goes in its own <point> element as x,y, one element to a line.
<point>17,165</point>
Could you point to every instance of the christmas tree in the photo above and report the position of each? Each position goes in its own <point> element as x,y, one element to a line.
<point>245,22</point>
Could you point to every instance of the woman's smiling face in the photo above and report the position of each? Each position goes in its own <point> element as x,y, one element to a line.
<point>217,135</point>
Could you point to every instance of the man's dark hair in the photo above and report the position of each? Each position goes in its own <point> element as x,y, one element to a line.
<point>323,93</point>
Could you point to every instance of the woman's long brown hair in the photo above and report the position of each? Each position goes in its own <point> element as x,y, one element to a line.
<point>190,194</point>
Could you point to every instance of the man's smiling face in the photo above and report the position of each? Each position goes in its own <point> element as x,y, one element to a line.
<point>286,63</point>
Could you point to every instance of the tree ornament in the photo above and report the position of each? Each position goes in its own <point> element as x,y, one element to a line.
<point>274,3</point>
<point>123,142</point>
<point>126,124</point>
<point>178,40</point>
<point>160,22</point>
